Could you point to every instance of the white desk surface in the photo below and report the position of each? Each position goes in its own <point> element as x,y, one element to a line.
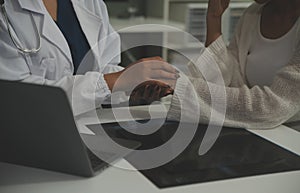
<point>18,179</point>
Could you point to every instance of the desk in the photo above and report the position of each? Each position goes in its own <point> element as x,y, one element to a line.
<point>18,179</point>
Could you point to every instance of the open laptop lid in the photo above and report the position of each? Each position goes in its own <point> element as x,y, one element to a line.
<point>38,129</point>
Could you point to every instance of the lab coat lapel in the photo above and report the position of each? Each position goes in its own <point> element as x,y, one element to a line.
<point>90,24</point>
<point>32,6</point>
<point>50,31</point>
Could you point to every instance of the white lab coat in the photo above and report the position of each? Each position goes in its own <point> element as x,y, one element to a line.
<point>52,65</point>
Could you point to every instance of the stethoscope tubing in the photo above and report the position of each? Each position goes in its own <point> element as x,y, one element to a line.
<point>19,48</point>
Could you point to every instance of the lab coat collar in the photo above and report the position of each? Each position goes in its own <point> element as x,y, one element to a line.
<point>49,29</point>
<point>33,6</point>
<point>91,24</point>
<point>52,33</point>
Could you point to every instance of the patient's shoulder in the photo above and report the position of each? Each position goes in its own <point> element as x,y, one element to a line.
<point>254,8</point>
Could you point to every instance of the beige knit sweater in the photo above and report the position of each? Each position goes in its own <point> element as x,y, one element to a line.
<point>256,107</point>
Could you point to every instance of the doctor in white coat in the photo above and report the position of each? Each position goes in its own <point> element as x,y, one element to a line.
<point>53,65</point>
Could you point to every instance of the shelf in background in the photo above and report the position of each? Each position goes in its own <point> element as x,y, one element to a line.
<point>124,25</point>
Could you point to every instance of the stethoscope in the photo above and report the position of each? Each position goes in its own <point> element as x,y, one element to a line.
<point>20,48</point>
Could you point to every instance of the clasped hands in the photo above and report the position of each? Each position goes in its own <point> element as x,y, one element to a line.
<point>150,79</point>
<point>146,81</point>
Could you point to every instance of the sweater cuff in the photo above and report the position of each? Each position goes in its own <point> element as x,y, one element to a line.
<point>218,46</point>
<point>174,113</point>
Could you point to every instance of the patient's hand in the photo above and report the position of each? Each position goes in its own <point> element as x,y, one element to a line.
<point>148,92</point>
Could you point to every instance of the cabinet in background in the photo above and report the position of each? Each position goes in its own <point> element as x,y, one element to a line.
<point>186,15</point>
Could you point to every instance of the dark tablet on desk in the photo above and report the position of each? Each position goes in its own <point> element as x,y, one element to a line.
<point>237,153</point>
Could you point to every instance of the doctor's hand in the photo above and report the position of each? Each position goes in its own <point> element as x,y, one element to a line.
<point>154,68</point>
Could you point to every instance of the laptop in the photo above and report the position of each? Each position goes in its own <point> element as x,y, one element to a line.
<point>38,130</point>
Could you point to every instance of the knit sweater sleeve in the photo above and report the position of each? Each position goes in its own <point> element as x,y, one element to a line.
<point>254,108</point>
<point>227,60</point>
<point>231,58</point>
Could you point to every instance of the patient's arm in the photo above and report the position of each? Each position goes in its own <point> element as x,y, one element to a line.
<point>216,8</point>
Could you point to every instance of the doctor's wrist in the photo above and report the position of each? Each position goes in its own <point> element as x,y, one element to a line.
<point>112,81</point>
